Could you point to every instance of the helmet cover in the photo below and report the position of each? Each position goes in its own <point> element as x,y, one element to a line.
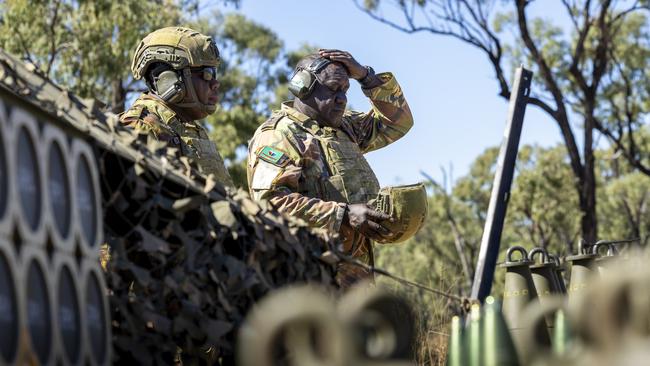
<point>406,205</point>
<point>178,47</point>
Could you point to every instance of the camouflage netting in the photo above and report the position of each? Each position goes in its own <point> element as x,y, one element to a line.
<point>187,259</point>
<point>185,268</point>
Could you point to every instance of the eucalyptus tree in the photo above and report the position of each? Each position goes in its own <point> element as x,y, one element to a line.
<point>591,74</point>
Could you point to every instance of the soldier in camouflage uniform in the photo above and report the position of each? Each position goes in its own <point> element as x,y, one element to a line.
<point>179,66</point>
<point>307,159</point>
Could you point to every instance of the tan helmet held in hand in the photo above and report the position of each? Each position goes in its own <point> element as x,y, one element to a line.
<point>407,205</point>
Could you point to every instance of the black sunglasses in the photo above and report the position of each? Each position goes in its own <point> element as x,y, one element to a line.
<point>207,73</point>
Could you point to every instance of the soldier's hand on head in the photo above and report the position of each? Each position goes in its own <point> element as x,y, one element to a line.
<point>366,220</point>
<point>355,69</point>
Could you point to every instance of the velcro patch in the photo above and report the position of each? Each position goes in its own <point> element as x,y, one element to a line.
<point>273,156</point>
<point>264,175</point>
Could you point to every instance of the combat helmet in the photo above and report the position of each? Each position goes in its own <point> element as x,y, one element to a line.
<point>180,48</point>
<point>406,205</point>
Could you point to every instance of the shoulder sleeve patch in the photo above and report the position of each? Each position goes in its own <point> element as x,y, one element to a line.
<point>273,156</point>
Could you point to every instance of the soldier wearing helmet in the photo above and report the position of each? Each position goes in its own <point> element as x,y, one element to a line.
<point>179,66</point>
<point>307,159</point>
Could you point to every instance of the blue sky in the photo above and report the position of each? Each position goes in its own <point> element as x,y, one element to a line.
<point>449,85</point>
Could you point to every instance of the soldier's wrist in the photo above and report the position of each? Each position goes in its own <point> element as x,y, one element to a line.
<point>370,80</point>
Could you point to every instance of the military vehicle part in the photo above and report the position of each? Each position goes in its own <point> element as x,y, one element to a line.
<point>58,202</point>
<point>6,206</point>
<point>491,239</point>
<point>95,313</point>
<point>11,307</point>
<point>38,299</point>
<point>87,206</point>
<point>295,326</point>
<point>28,181</point>
<point>407,206</point>
<point>67,310</point>
<point>382,325</point>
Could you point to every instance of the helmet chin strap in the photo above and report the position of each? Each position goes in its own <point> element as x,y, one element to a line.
<point>194,100</point>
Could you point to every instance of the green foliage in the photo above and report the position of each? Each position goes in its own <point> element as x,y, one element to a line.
<point>249,39</point>
<point>630,50</point>
<point>250,53</point>
<point>32,29</point>
<point>475,188</point>
<point>542,212</point>
<point>613,60</point>
<point>543,209</point>
<point>625,97</point>
<point>625,208</point>
<point>84,45</point>
<point>624,197</point>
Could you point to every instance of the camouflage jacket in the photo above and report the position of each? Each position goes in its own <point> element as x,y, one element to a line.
<point>312,172</point>
<point>149,113</point>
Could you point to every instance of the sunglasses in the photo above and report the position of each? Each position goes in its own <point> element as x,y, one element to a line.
<point>207,73</point>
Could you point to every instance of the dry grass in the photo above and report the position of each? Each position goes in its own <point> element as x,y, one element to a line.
<point>433,335</point>
<point>433,315</point>
<point>432,347</point>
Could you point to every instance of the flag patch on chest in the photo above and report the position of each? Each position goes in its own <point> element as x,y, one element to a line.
<point>273,156</point>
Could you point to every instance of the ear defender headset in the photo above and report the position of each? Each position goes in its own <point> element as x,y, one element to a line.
<point>303,80</point>
<point>169,86</point>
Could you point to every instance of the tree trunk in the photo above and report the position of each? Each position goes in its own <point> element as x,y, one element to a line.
<point>589,221</point>
<point>118,97</point>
